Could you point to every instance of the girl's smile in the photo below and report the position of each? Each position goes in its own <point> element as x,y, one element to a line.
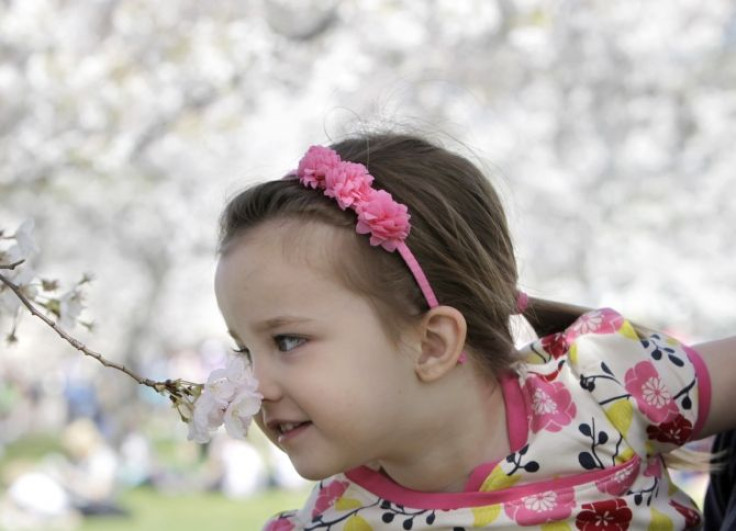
<point>289,430</point>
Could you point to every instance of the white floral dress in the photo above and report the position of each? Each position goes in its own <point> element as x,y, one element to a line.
<point>589,416</point>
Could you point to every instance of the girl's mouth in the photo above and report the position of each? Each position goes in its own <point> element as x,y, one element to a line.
<point>288,430</point>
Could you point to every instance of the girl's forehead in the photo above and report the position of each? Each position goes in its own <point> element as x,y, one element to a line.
<point>278,271</point>
<point>313,245</point>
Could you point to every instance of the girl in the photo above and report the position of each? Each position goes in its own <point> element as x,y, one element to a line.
<point>371,290</point>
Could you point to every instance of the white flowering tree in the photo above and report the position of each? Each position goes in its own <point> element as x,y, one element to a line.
<point>126,124</point>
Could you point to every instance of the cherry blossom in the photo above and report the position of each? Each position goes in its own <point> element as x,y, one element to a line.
<point>230,396</point>
<point>23,278</point>
<point>24,238</point>
<point>240,412</point>
<point>70,308</point>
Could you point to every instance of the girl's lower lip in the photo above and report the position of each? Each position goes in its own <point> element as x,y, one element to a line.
<point>289,435</point>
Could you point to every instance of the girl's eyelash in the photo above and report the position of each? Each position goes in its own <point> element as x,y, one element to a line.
<point>242,350</point>
<point>284,342</point>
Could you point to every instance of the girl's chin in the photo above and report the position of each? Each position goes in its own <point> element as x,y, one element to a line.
<point>314,473</point>
<point>308,468</point>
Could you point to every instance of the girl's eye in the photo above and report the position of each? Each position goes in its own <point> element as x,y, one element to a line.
<point>287,343</point>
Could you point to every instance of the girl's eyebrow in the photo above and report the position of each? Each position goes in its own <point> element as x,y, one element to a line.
<point>276,322</point>
<point>270,324</point>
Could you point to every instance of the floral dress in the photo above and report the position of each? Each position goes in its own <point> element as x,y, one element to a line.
<point>589,415</point>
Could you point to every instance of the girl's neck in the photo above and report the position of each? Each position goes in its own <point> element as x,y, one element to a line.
<point>454,436</point>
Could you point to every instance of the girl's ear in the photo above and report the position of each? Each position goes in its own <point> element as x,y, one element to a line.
<point>443,331</point>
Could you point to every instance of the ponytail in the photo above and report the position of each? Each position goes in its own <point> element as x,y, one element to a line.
<point>548,317</point>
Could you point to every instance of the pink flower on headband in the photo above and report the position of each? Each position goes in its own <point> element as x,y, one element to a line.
<point>315,164</point>
<point>384,219</point>
<point>348,183</point>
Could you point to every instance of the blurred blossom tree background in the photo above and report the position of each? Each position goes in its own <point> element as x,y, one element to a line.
<point>125,125</point>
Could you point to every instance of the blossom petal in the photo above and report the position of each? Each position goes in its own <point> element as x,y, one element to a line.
<point>240,412</point>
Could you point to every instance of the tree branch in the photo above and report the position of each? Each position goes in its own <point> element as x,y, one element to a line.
<point>159,387</point>
<point>11,266</point>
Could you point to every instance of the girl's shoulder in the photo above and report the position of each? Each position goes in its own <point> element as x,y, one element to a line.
<point>605,337</point>
<point>654,388</point>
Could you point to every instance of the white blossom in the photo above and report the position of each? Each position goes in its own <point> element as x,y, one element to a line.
<point>23,278</point>
<point>230,396</point>
<point>208,415</point>
<point>238,373</point>
<point>24,239</point>
<point>240,412</point>
<point>70,307</point>
<point>12,255</point>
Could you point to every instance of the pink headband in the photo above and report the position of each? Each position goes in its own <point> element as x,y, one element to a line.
<point>350,184</point>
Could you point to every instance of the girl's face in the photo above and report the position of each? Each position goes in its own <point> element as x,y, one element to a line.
<point>336,387</point>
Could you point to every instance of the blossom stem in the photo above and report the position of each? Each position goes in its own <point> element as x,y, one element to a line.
<point>11,266</point>
<point>159,387</point>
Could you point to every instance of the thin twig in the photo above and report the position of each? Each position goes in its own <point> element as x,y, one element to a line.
<point>159,387</point>
<point>11,266</point>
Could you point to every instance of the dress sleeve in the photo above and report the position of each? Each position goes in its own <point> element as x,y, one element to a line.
<point>655,390</point>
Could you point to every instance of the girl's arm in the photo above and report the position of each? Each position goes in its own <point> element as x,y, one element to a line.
<point>720,359</point>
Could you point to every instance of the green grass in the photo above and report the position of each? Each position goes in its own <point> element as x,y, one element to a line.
<point>30,449</point>
<point>152,510</point>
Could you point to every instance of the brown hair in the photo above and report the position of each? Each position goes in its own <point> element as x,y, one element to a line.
<point>459,235</point>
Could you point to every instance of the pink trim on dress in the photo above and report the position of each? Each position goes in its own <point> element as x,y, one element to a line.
<point>384,487</point>
<point>704,389</point>
<point>516,411</point>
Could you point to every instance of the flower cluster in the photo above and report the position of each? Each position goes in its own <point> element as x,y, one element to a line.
<point>17,250</point>
<point>350,184</point>
<point>229,397</point>
<point>19,280</point>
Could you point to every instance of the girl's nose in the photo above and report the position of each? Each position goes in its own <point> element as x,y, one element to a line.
<point>268,383</point>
